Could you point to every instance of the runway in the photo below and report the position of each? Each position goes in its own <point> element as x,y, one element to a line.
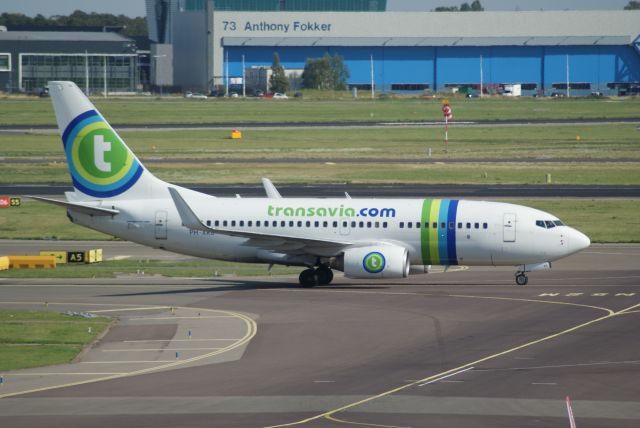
<point>457,349</point>
<point>336,124</point>
<point>334,190</point>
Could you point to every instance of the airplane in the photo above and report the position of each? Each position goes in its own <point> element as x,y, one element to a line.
<point>364,238</point>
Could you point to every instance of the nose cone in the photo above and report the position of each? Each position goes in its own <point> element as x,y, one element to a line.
<point>578,241</point>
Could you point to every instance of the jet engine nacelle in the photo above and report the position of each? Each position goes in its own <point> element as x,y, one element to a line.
<point>380,261</point>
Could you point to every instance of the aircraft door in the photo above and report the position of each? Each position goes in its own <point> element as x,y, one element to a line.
<point>345,227</point>
<point>161,225</point>
<point>509,227</point>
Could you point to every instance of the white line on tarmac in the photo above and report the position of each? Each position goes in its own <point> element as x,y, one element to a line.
<point>444,377</point>
<point>543,383</point>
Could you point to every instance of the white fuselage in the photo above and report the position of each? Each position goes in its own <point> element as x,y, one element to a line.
<point>434,231</point>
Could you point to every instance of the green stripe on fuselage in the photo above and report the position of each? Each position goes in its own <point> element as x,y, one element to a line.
<point>429,235</point>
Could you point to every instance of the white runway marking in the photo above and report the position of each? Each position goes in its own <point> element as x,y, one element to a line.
<point>446,376</point>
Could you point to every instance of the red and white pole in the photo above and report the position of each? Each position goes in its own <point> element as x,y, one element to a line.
<point>448,116</point>
<point>572,421</point>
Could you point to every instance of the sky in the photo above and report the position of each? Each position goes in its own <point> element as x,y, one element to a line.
<point>134,8</point>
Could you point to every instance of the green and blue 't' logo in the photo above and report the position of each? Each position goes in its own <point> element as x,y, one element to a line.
<point>374,262</point>
<point>100,164</point>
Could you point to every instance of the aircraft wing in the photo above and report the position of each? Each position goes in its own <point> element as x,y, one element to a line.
<point>76,206</point>
<point>269,241</point>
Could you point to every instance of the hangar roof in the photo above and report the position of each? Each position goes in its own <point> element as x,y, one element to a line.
<point>529,28</point>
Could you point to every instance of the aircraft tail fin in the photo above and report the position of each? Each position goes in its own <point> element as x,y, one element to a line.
<point>100,163</point>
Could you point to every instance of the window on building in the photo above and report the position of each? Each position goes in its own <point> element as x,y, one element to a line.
<point>5,62</point>
<point>409,86</point>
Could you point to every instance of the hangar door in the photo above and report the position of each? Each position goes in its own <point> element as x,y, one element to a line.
<point>509,228</point>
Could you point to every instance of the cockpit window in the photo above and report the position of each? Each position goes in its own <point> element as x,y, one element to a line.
<point>549,224</point>
<point>558,223</point>
<point>540,223</point>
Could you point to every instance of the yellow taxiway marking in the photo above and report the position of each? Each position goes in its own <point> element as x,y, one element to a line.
<point>610,314</point>
<point>176,340</point>
<point>251,330</point>
<point>159,349</point>
<point>61,374</point>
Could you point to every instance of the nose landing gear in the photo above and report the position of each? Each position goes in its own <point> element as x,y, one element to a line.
<point>323,275</point>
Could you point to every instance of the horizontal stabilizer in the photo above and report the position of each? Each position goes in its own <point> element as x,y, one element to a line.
<point>79,207</point>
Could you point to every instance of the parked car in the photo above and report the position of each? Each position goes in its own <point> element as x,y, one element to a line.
<point>258,93</point>
<point>233,95</point>
<point>279,96</point>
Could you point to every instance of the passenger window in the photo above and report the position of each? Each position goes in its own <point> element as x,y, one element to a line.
<point>344,224</point>
<point>485,226</point>
<point>233,223</point>
<point>299,223</point>
<point>476,225</point>
<point>258,223</point>
<point>208,222</point>
<point>283,223</point>
<point>316,224</point>
<point>468,225</point>
<point>369,224</point>
<point>402,225</point>
<point>308,223</point>
<point>452,225</point>
<point>443,225</point>
<point>353,224</point>
<point>409,225</point>
<point>335,224</point>
<point>384,225</point>
<point>266,223</point>
<point>377,224</point>
<point>459,225</point>
<point>361,224</point>
<point>241,223</point>
<point>250,223</point>
<point>217,223</point>
<point>291,223</point>
<point>426,225</point>
<point>417,225</point>
<point>325,224</point>
<point>434,225</point>
<point>274,223</point>
<point>549,224</point>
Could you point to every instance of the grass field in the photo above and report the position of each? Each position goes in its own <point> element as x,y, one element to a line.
<point>139,268</point>
<point>603,220</point>
<point>232,111</point>
<point>496,143</point>
<point>561,143</point>
<point>34,339</point>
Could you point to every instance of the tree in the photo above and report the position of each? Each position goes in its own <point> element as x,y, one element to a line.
<point>328,72</point>
<point>131,26</point>
<point>476,6</point>
<point>632,5</point>
<point>278,81</point>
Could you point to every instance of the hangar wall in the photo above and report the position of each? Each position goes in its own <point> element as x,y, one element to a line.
<point>436,50</point>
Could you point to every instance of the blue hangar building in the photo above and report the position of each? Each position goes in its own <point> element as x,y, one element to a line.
<point>543,51</point>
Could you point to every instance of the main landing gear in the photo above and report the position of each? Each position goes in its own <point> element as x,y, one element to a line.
<point>521,278</point>
<point>323,275</point>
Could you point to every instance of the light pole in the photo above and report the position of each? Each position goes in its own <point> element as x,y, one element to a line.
<point>155,57</point>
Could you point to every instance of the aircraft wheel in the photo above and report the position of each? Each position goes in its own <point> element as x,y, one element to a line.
<point>308,278</point>
<point>522,279</point>
<point>324,275</point>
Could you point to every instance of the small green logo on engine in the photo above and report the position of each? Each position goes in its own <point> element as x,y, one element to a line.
<point>374,262</point>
